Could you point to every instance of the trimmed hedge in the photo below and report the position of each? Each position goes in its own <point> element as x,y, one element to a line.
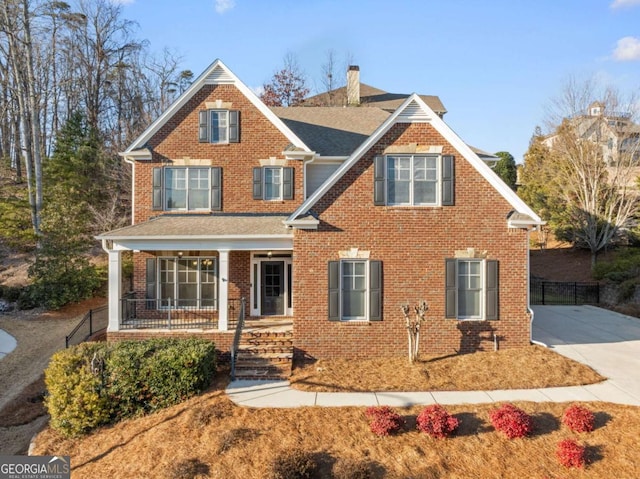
<point>94,384</point>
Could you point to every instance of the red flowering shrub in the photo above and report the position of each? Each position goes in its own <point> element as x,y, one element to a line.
<point>571,454</point>
<point>511,421</point>
<point>436,422</point>
<point>578,418</point>
<point>383,420</point>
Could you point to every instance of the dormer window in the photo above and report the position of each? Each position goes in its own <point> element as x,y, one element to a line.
<point>219,126</point>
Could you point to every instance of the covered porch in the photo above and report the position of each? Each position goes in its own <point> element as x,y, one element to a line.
<point>191,271</point>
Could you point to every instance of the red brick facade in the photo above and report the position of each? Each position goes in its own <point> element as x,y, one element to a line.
<point>411,242</point>
<point>176,143</point>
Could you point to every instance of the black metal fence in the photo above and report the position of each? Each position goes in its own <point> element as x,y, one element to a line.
<point>569,292</point>
<point>95,321</point>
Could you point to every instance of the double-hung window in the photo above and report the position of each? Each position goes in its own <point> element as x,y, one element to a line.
<point>414,180</point>
<point>355,290</point>
<point>273,183</point>
<point>187,188</point>
<point>471,288</point>
<point>219,126</point>
<point>183,282</point>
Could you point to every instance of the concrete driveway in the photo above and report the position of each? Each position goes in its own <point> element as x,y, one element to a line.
<point>606,341</point>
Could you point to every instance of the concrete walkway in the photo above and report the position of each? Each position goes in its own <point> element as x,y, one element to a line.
<point>7,343</point>
<point>606,341</point>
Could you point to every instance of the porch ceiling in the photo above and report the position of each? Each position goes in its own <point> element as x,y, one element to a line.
<point>215,231</point>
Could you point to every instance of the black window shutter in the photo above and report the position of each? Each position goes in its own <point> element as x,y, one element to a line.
<point>491,289</point>
<point>234,126</point>
<point>451,288</point>
<point>203,126</point>
<point>257,183</point>
<point>287,183</point>
<point>150,280</point>
<point>334,290</point>
<point>378,181</point>
<point>156,202</point>
<point>375,290</point>
<point>448,181</point>
<point>216,188</point>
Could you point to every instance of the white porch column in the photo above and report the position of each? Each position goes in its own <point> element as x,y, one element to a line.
<point>115,287</point>
<point>223,290</point>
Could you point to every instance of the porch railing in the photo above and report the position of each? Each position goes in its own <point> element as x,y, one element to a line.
<point>141,313</point>
<point>236,338</point>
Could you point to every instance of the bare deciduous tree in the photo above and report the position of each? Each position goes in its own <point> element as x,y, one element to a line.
<point>591,169</point>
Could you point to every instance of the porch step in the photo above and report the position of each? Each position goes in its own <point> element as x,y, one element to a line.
<point>265,355</point>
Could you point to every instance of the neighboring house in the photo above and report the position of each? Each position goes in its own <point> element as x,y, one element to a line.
<point>330,218</point>
<point>615,132</point>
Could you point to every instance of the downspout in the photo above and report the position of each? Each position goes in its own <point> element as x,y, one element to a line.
<point>533,341</point>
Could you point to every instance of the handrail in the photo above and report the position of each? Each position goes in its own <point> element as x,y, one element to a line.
<point>236,338</point>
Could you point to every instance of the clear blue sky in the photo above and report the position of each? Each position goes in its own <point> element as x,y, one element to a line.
<point>494,63</point>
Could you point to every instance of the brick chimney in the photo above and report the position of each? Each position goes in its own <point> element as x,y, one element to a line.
<point>353,85</point>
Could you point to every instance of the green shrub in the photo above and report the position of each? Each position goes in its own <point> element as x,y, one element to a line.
<point>76,399</point>
<point>10,293</point>
<point>131,378</point>
<point>144,376</point>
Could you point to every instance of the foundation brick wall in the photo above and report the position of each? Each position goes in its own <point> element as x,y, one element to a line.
<point>412,244</point>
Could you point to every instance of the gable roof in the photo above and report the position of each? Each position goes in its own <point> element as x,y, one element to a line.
<point>372,97</point>
<point>414,109</point>
<point>216,74</point>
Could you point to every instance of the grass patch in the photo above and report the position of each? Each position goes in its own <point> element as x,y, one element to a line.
<point>152,445</point>
<point>522,368</point>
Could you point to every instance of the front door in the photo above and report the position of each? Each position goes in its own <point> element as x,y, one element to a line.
<point>272,281</point>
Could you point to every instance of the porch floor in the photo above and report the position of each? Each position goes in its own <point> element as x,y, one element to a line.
<point>276,325</point>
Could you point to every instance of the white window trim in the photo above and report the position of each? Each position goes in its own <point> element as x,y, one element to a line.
<point>186,168</point>
<point>483,288</point>
<point>367,293</point>
<point>411,203</point>
<point>264,183</point>
<point>210,112</point>
<point>162,301</point>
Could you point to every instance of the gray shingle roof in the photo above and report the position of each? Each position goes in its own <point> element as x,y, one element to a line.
<point>332,131</point>
<point>205,226</point>
<point>373,97</point>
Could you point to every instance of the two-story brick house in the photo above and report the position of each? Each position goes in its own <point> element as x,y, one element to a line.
<point>329,217</point>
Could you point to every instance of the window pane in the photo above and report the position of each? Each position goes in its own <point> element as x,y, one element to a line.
<point>208,295</point>
<point>424,192</point>
<point>198,188</point>
<point>176,187</point>
<point>469,303</point>
<point>272,183</point>
<point>219,126</point>
<point>353,304</point>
